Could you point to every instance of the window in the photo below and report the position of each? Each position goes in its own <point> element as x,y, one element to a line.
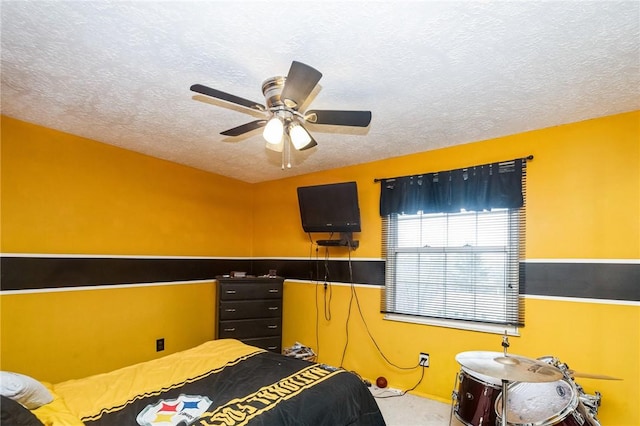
<point>459,269</point>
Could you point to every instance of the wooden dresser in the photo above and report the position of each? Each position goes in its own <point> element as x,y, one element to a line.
<point>250,309</point>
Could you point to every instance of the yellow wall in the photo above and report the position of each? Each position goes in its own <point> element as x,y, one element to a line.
<point>55,336</point>
<point>64,194</point>
<point>583,201</point>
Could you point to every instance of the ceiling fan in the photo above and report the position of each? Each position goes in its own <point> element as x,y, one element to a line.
<point>284,122</point>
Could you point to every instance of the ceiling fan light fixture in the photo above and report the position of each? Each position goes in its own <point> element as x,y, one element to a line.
<point>299,136</point>
<point>273,131</point>
<point>277,147</point>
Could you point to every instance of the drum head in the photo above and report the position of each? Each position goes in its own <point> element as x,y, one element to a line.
<point>484,379</point>
<point>538,403</point>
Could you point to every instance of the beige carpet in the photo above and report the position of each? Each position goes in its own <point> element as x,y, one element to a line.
<point>411,410</point>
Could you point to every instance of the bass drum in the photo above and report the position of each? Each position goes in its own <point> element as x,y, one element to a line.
<point>542,404</point>
<point>476,397</point>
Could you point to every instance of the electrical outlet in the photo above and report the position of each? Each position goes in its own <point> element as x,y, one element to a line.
<point>424,359</point>
<point>160,345</point>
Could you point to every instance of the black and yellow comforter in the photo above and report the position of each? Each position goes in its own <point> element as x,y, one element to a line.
<point>222,382</point>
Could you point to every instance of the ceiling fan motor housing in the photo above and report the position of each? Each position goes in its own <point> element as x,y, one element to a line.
<point>272,89</point>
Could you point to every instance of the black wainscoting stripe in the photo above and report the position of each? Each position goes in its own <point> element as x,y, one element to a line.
<point>612,281</point>
<point>32,272</point>
<point>608,281</point>
<point>21,273</point>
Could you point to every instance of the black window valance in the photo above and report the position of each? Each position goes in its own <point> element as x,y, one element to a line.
<point>476,188</point>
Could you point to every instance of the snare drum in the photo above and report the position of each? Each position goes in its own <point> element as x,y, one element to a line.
<point>476,397</point>
<point>590,402</point>
<point>542,404</point>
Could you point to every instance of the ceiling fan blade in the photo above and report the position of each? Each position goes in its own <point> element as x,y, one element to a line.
<point>214,93</point>
<point>237,131</point>
<point>299,83</point>
<point>339,118</point>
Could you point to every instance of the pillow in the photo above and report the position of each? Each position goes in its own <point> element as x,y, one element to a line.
<point>15,414</point>
<point>24,389</point>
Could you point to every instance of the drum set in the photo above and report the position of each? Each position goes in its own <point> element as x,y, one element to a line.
<point>495,388</point>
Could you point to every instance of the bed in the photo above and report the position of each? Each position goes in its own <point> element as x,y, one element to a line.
<point>221,382</point>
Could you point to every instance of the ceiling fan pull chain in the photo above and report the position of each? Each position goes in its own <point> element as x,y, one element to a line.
<point>283,148</point>
<point>287,147</point>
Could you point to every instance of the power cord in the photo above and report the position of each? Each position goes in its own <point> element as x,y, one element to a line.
<point>317,281</point>
<point>327,285</point>
<point>354,295</point>
<point>346,343</point>
<point>403,393</point>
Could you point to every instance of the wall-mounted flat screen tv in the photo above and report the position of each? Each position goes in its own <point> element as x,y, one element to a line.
<point>329,208</point>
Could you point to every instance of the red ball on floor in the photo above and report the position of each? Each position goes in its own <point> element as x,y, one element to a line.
<point>381,382</point>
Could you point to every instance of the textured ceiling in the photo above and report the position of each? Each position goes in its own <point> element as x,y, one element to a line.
<point>434,74</point>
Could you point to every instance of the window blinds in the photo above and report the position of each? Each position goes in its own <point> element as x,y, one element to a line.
<point>462,265</point>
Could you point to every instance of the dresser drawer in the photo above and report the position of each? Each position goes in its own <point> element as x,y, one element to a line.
<point>242,329</point>
<point>272,344</point>
<point>244,290</point>
<point>240,309</point>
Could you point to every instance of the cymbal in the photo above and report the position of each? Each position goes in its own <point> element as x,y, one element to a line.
<point>512,368</point>
<point>591,376</point>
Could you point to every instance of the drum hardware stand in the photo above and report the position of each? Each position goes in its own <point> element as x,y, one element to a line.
<point>454,398</point>
<point>505,383</point>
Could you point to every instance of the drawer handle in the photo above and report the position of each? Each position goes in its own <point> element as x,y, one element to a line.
<point>272,326</point>
<point>230,329</point>
<point>230,292</point>
<point>273,308</point>
<point>272,348</point>
<point>229,310</point>
<point>274,290</point>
